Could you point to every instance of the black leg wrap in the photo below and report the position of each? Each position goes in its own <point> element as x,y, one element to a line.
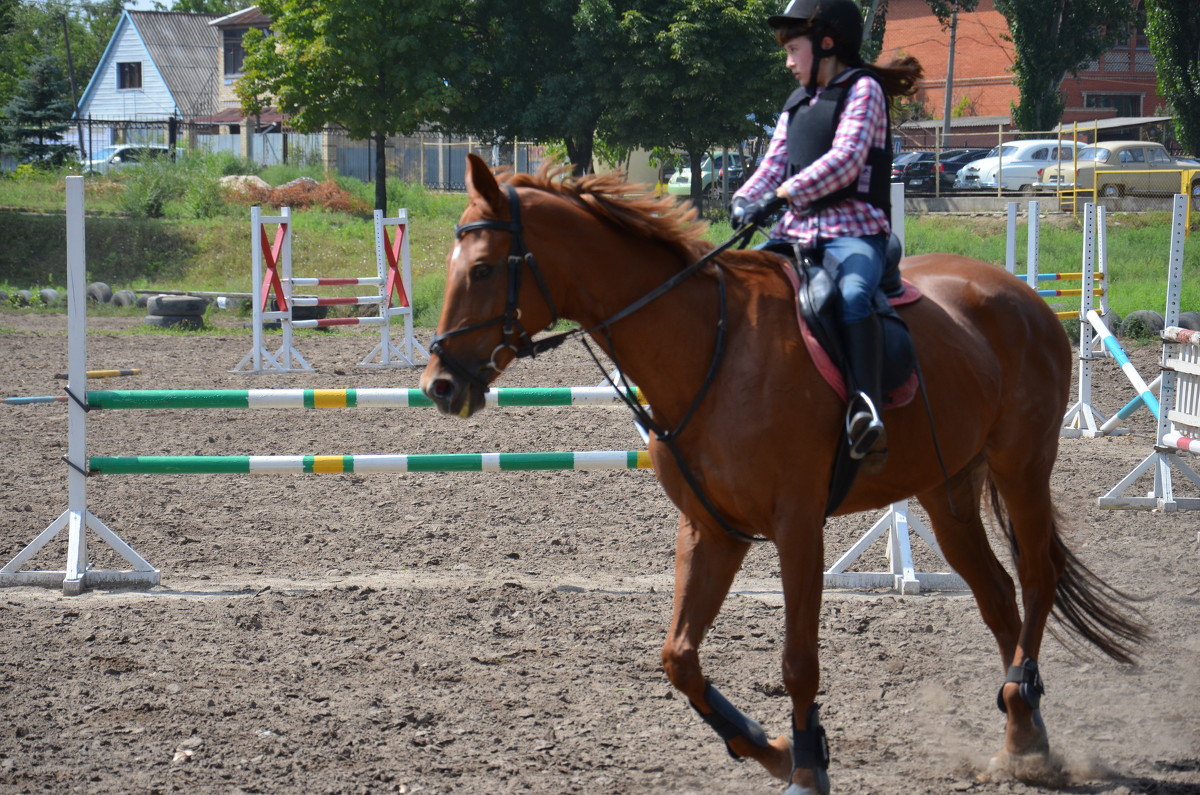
<point>810,749</point>
<point>729,722</point>
<point>1029,682</point>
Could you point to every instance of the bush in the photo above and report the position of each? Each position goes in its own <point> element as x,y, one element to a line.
<point>149,187</point>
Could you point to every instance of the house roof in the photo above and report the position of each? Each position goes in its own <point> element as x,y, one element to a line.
<point>186,51</point>
<point>251,17</point>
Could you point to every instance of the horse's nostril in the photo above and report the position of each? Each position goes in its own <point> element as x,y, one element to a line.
<point>443,388</point>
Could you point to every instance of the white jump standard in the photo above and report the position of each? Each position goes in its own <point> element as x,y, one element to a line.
<point>272,274</point>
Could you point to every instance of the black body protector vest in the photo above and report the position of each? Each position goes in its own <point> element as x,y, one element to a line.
<point>811,128</point>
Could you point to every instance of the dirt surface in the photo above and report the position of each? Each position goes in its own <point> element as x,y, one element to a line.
<point>501,632</point>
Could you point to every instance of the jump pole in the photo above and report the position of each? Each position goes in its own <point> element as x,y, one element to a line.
<point>384,397</point>
<point>1179,397</point>
<point>77,518</point>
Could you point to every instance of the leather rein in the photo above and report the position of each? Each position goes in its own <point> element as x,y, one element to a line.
<point>518,340</point>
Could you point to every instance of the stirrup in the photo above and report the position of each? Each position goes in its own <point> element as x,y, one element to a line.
<point>863,425</point>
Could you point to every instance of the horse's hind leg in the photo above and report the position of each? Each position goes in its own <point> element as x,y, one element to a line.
<point>954,512</point>
<point>964,542</point>
<point>1030,527</point>
<point>705,565</point>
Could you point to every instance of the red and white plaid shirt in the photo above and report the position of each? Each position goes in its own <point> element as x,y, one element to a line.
<point>863,125</point>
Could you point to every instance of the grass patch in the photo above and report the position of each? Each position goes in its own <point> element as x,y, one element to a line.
<point>202,240</point>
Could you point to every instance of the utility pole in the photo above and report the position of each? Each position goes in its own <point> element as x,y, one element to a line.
<point>949,75</point>
<point>74,95</point>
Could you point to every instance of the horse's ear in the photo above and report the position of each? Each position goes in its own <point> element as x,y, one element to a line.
<point>481,183</point>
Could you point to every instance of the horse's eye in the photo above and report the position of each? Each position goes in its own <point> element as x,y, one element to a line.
<point>480,272</point>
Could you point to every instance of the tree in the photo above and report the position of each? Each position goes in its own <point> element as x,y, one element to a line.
<point>36,28</point>
<point>201,6</point>
<point>538,71</point>
<point>39,113</point>
<point>1053,38</point>
<point>1173,31</point>
<point>375,68</point>
<point>697,74</point>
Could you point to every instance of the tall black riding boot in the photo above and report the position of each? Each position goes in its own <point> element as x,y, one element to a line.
<point>864,421</point>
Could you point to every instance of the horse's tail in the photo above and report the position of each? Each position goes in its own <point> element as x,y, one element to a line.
<point>1089,607</point>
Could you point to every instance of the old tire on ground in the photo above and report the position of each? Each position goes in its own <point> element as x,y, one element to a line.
<point>3,297</point>
<point>99,292</point>
<point>1142,324</point>
<point>124,298</point>
<point>22,298</point>
<point>304,312</point>
<point>175,321</point>
<point>49,296</point>
<point>1189,320</point>
<point>176,305</point>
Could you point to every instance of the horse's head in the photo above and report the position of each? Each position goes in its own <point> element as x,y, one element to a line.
<point>494,296</point>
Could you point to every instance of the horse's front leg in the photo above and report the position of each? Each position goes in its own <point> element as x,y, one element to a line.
<point>801,565</point>
<point>706,561</point>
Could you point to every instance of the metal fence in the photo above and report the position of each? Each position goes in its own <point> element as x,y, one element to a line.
<point>434,160</point>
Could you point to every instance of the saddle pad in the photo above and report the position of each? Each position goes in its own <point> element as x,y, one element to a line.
<point>901,395</point>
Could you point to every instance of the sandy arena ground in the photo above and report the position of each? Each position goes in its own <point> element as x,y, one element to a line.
<point>500,633</point>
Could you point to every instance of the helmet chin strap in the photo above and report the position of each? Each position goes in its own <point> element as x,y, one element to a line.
<point>819,54</point>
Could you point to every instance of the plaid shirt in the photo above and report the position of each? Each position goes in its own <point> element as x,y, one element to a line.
<point>863,125</point>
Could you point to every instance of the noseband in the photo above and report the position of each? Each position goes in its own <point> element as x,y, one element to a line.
<point>515,337</point>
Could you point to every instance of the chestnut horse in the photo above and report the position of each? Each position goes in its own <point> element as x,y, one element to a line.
<point>755,427</point>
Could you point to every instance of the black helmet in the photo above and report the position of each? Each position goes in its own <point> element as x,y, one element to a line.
<point>841,20</point>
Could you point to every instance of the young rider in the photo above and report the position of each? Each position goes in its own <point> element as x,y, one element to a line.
<point>830,162</point>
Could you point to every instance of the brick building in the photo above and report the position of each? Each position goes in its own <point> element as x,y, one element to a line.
<point>1121,83</point>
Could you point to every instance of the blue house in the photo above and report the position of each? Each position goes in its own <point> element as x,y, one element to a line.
<point>158,65</point>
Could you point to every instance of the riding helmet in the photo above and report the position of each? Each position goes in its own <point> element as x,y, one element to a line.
<point>841,20</point>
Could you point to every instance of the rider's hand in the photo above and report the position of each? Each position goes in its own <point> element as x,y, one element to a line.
<point>756,213</point>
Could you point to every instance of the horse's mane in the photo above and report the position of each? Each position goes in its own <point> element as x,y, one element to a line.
<point>629,206</point>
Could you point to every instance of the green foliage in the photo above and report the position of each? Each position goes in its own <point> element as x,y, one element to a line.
<point>1173,30</point>
<point>1053,38</point>
<point>201,6</point>
<point>39,112</point>
<point>681,83</point>
<point>535,71</point>
<point>36,29</point>
<point>149,186</point>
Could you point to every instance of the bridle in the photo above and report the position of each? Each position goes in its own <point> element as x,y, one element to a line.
<point>517,339</point>
<point>514,335</point>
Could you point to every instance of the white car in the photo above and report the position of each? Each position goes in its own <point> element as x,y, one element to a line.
<point>1016,165</point>
<point>122,155</point>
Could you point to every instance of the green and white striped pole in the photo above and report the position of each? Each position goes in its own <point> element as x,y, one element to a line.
<point>333,464</point>
<point>339,398</point>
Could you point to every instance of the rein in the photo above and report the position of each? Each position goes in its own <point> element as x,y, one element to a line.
<point>518,340</point>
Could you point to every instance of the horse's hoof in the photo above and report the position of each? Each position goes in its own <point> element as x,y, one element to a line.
<point>1038,767</point>
<point>820,785</point>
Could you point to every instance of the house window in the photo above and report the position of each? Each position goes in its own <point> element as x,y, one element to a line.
<point>129,75</point>
<point>234,54</point>
<point>1124,104</point>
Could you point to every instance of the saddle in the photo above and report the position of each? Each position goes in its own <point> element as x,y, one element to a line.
<point>818,315</point>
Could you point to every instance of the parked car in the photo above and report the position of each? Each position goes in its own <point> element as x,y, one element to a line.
<point>916,169</point>
<point>1015,165</point>
<point>712,175</point>
<point>1117,168</point>
<point>115,157</point>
